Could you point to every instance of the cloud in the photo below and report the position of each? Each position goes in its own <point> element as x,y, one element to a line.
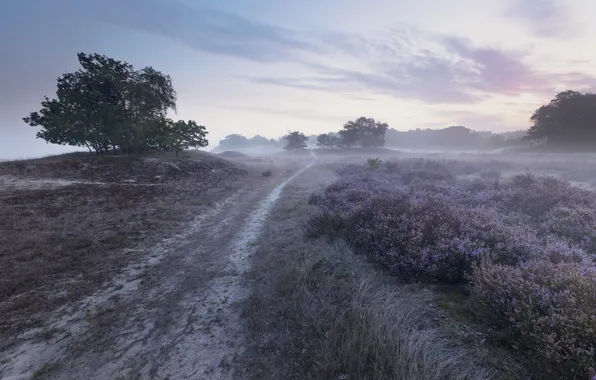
<point>579,82</point>
<point>206,29</point>
<point>38,38</point>
<point>403,63</point>
<point>429,68</point>
<point>199,27</point>
<point>295,113</point>
<point>498,71</point>
<point>544,18</point>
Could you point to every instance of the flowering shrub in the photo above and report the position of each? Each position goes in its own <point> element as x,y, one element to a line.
<point>524,245</point>
<point>576,224</point>
<point>544,308</point>
<point>537,196</point>
<point>423,223</point>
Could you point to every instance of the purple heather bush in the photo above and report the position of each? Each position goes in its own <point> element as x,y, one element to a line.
<point>524,246</point>
<point>545,309</point>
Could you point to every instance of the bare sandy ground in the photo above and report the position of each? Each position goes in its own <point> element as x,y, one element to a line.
<point>174,316</point>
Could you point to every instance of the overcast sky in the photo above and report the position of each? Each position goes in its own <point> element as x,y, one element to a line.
<point>269,66</point>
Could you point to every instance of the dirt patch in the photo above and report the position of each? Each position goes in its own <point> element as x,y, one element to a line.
<point>63,237</point>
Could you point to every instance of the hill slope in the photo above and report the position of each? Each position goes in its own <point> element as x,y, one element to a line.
<point>71,222</point>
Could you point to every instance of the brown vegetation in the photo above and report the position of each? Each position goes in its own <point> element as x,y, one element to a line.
<point>61,242</point>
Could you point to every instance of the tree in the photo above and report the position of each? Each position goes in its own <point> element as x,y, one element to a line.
<point>262,142</point>
<point>295,140</point>
<point>456,136</point>
<point>184,135</point>
<point>107,104</point>
<point>259,140</point>
<point>236,141</point>
<point>568,120</point>
<point>233,141</point>
<point>327,140</point>
<point>363,131</point>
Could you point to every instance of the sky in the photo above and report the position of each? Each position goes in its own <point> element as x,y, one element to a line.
<point>269,66</point>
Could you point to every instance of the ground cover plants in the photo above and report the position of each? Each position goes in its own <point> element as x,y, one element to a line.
<point>317,311</point>
<point>521,250</point>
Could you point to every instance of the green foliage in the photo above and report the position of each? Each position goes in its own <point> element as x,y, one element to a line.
<point>108,105</point>
<point>295,140</point>
<point>374,163</point>
<point>183,135</point>
<point>365,132</point>
<point>327,140</point>
<point>569,119</point>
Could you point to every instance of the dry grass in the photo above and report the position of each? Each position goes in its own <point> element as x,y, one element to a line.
<point>318,312</point>
<point>58,244</point>
<point>146,169</point>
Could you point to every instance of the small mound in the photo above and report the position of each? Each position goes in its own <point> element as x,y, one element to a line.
<point>232,154</point>
<point>147,169</point>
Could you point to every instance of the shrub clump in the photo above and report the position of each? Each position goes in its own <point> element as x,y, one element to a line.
<point>374,163</point>
<point>545,308</point>
<point>524,247</point>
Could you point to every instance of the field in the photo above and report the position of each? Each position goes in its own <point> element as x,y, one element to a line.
<point>329,264</point>
<point>475,267</point>
<point>69,223</point>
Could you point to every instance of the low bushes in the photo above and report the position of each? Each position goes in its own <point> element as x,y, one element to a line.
<point>522,246</point>
<point>546,308</point>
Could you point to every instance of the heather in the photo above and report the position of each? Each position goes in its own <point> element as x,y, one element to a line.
<point>521,247</point>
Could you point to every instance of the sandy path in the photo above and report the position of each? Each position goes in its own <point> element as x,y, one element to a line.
<point>181,320</point>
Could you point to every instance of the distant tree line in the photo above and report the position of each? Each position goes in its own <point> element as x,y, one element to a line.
<point>454,137</point>
<point>569,120</point>
<point>109,106</point>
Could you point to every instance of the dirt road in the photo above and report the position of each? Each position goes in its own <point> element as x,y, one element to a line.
<point>174,316</point>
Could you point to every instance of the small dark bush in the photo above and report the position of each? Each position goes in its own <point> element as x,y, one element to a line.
<point>266,173</point>
<point>374,163</point>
